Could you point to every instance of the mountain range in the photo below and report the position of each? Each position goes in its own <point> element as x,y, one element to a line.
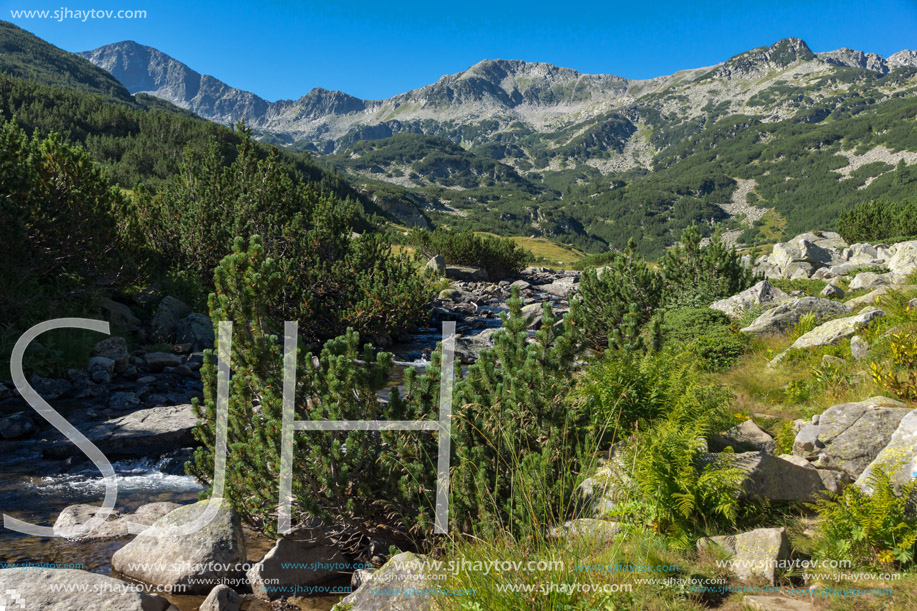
<point>774,141</point>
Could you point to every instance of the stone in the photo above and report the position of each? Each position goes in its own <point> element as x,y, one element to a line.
<point>912,304</point>
<point>562,287</point>
<point>466,273</point>
<point>359,577</point>
<point>870,299</point>
<point>747,436</point>
<point>390,588</point>
<point>144,433</point>
<point>533,313</point>
<point>16,426</point>
<point>157,361</point>
<point>199,560</point>
<point>785,315</point>
<point>101,369</point>
<point>50,388</point>
<point>520,284</point>
<point>122,401</point>
<point>222,598</point>
<point>450,293</point>
<point>196,330</point>
<point>872,280</point>
<point>600,532</point>
<point>898,458</point>
<point>904,259</point>
<point>858,348</point>
<point>114,348</point>
<point>303,547</point>
<point>120,316</point>
<point>832,291</point>
<point>762,295</point>
<point>760,553</point>
<point>849,436</point>
<point>772,478</point>
<point>69,589</point>
<point>168,314</point>
<point>598,496</point>
<point>436,265</point>
<point>775,603</point>
<point>832,481</point>
<point>833,331</point>
<point>70,521</point>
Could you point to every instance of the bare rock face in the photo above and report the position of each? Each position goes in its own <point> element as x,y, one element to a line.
<point>898,458</point>
<point>848,437</point>
<point>198,561</point>
<point>69,589</point>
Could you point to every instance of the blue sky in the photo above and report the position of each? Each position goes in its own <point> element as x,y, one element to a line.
<point>282,49</point>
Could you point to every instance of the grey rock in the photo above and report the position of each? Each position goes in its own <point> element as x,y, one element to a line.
<point>898,458</point>
<point>360,576</point>
<point>436,265</point>
<point>521,285</point>
<point>222,598</point>
<point>121,401</point>
<point>755,602</point>
<point>600,532</point>
<point>858,348</point>
<point>466,273</point>
<point>16,426</point>
<point>69,589</point>
<point>70,522</point>
<point>119,315</point>
<point>196,330</point>
<point>869,299</point>
<point>199,560</point>
<point>758,553</point>
<point>49,388</point>
<point>114,348</point>
<point>450,293</point>
<point>849,436</point>
<point>157,361</point>
<point>903,261</point>
<point>762,295</point>
<point>832,291</point>
<point>833,331</point>
<point>168,314</point>
<point>785,315</point>
<point>101,369</point>
<point>147,432</point>
<point>772,478</point>
<point>747,436</point>
<point>872,280</point>
<point>402,573</point>
<point>302,547</point>
<point>912,304</point>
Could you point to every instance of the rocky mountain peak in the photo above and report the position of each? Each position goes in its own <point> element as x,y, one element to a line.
<point>903,59</point>
<point>852,58</point>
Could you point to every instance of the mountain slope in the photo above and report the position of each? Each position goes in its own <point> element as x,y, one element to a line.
<point>24,55</point>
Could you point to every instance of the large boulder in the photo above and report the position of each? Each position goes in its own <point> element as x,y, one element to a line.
<point>872,280</point>
<point>772,478</point>
<point>833,331</point>
<point>903,260</point>
<point>69,589</point>
<point>70,521</point>
<point>747,436</point>
<point>120,315</point>
<point>785,315</point>
<point>197,330</point>
<point>392,587</point>
<point>762,295</point>
<point>466,273</point>
<point>197,562</point>
<point>157,361</point>
<point>15,426</point>
<point>168,314</point>
<point>50,389</point>
<point>436,265</point>
<point>316,557</point>
<point>144,433</point>
<point>760,553</point>
<point>849,436</point>
<point>897,458</point>
<point>114,348</point>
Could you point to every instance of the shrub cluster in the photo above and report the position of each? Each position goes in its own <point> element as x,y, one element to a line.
<point>877,220</point>
<point>501,257</point>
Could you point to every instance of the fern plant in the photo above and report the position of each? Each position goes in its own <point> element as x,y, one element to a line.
<point>881,528</point>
